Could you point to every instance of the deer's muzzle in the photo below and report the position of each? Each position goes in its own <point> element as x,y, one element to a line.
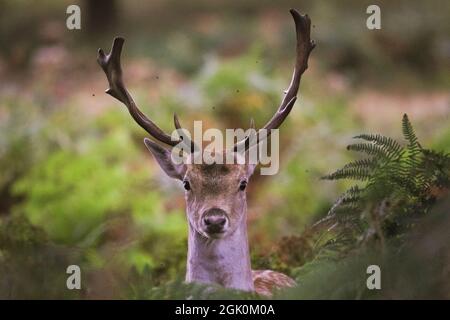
<point>214,221</point>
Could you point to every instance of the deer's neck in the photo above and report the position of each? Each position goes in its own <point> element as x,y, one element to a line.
<point>223,261</point>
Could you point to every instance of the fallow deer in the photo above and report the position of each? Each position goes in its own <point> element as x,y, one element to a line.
<point>215,194</point>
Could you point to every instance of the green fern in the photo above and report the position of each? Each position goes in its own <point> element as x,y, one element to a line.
<point>409,134</point>
<point>396,184</point>
<point>356,173</point>
<point>396,188</point>
<point>370,149</point>
<point>390,147</point>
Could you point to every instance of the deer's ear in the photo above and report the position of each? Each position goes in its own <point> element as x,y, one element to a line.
<point>164,158</point>
<point>250,162</point>
<point>250,169</point>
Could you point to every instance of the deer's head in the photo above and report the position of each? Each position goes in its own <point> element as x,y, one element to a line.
<point>215,193</point>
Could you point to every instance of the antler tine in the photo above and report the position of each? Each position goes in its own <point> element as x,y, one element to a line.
<point>245,143</point>
<point>252,123</point>
<point>304,47</point>
<point>110,64</point>
<point>187,142</point>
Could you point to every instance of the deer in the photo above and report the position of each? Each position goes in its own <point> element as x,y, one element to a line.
<point>215,194</point>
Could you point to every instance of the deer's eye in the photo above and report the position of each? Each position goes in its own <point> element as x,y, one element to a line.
<point>243,185</point>
<point>186,185</point>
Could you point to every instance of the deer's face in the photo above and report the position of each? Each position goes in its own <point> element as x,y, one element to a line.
<point>216,197</point>
<point>215,193</point>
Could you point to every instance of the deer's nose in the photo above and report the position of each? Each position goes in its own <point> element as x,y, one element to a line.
<point>214,220</point>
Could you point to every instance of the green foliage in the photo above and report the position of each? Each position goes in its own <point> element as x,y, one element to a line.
<point>416,270</point>
<point>93,193</point>
<point>19,145</point>
<point>31,266</point>
<point>143,287</point>
<point>239,89</point>
<point>71,192</point>
<point>400,184</point>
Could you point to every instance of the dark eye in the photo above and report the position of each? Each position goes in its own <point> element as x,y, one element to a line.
<point>242,185</point>
<point>186,185</point>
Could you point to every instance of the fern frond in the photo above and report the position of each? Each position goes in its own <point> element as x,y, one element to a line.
<point>358,170</point>
<point>412,171</point>
<point>352,195</point>
<point>368,148</point>
<point>400,184</point>
<point>368,164</point>
<point>409,134</point>
<point>390,146</point>
<point>355,173</point>
<point>347,201</point>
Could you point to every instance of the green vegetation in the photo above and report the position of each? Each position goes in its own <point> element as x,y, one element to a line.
<point>401,185</point>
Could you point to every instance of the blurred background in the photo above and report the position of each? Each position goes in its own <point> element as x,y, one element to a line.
<point>77,185</point>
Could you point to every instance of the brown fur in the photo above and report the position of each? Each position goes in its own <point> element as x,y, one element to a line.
<point>267,281</point>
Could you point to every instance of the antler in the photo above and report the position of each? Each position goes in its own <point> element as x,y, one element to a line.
<point>304,47</point>
<point>110,64</point>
